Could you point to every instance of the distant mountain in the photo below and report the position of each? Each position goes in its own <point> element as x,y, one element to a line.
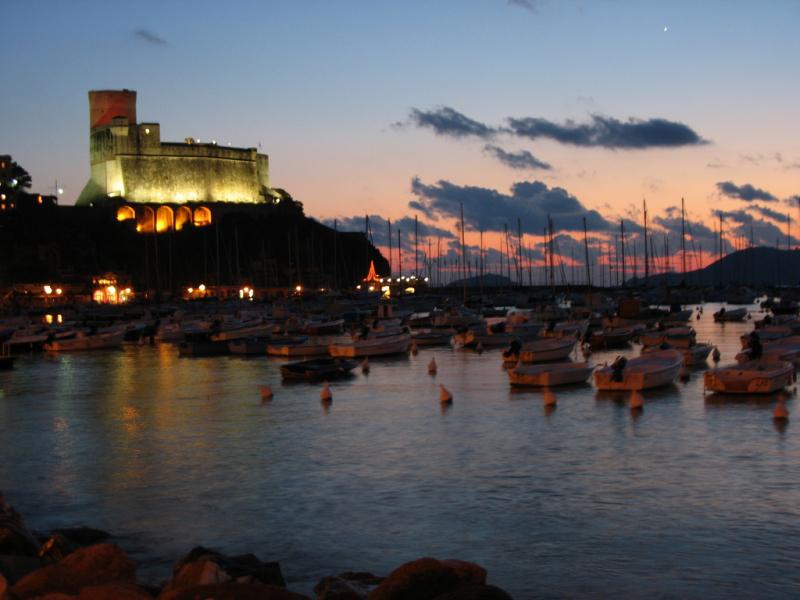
<point>488,280</point>
<point>752,266</point>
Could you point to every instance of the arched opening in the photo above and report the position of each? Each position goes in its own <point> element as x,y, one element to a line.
<point>147,220</point>
<point>183,216</point>
<point>165,219</point>
<point>125,213</point>
<point>202,216</point>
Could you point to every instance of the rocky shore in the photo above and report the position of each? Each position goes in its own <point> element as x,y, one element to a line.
<point>83,564</point>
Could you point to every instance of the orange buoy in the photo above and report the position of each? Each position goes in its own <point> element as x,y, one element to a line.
<point>365,365</point>
<point>637,401</point>
<point>445,397</point>
<point>325,395</point>
<point>432,366</point>
<point>414,348</point>
<point>716,355</point>
<point>266,392</point>
<point>549,398</point>
<point>684,373</point>
<point>780,412</point>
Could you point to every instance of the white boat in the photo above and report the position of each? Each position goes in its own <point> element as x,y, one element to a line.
<point>724,315</point>
<point>676,337</point>
<point>786,349</point>
<point>243,330</point>
<point>549,375</point>
<point>86,341</point>
<point>696,355</point>
<point>546,349</point>
<point>653,369</point>
<point>753,377</point>
<point>374,344</point>
<point>309,347</point>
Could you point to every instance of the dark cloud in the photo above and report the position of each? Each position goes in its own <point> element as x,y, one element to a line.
<point>698,235</point>
<point>150,37</point>
<point>516,160</point>
<point>769,213</point>
<point>379,229</point>
<point>490,210</point>
<point>608,132</point>
<point>449,122</point>
<point>793,201</point>
<point>531,5</point>
<point>745,192</point>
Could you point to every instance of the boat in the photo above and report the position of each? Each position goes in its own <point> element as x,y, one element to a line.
<point>257,328</point>
<point>302,347</point>
<point>318,369</point>
<point>324,327</point>
<point>617,337</point>
<point>724,315</point>
<point>543,350</point>
<point>696,355</point>
<point>752,377</point>
<point>83,340</point>
<point>650,370</point>
<point>550,375</point>
<point>433,337</point>
<point>249,346</point>
<point>393,341</point>
<point>769,333</point>
<point>785,349</point>
<point>676,337</point>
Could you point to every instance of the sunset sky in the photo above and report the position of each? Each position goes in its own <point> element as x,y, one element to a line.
<point>513,108</point>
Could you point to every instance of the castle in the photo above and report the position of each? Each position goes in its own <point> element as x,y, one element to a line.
<point>165,185</point>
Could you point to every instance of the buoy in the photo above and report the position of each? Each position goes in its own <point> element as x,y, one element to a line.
<point>549,398</point>
<point>266,392</point>
<point>325,395</point>
<point>479,348</point>
<point>365,365</point>
<point>414,348</point>
<point>698,316</point>
<point>432,366</point>
<point>684,373</point>
<point>715,355</point>
<point>637,401</point>
<point>780,412</point>
<point>445,397</point>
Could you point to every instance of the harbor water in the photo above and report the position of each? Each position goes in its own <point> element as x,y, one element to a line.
<point>695,497</point>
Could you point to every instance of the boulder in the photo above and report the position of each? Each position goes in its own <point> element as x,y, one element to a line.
<point>475,592</point>
<point>55,548</point>
<point>203,566</point>
<point>232,590</point>
<point>467,571</point>
<point>113,591</point>
<point>346,586</point>
<point>421,579</point>
<point>14,536</point>
<point>3,588</point>
<point>15,568</point>
<point>93,565</point>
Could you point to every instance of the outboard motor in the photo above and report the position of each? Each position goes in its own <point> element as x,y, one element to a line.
<point>617,368</point>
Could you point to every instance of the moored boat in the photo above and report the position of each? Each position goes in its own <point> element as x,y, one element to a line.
<point>650,370</point>
<point>248,346</point>
<point>373,344</point>
<point>551,374</point>
<point>617,337</point>
<point>318,369</point>
<point>753,377</point>
<point>86,341</point>
<point>543,350</point>
<point>723,315</point>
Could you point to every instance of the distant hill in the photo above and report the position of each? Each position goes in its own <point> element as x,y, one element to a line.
<point>488,280</point>
<point>752,266</point>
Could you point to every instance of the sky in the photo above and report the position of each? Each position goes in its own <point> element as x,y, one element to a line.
<point>513,109</point>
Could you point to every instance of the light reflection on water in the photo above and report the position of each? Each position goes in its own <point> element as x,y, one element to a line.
<point>692,497</point>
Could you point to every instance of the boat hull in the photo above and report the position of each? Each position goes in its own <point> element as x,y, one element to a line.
<point>748,378</point>
<point>371,347</point>
<point>652,370</point>
<point>551,375</point>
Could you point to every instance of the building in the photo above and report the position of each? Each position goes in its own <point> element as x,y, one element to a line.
<point>165,185</point>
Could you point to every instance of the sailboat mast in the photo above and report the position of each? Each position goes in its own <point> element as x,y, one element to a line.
<point>463,255</point>
<point>416,245</point>
<point>586,255</point>
<point>399,255</point>
<point>519,251</point>
<point>646,257</point>
<point>389,222</point>
<point>683,236</point>
<point>622,247</point>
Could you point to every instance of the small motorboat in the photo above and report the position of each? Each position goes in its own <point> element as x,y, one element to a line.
<point>782,350</point>
<point>650,370</point>
<point>433,337</point>
<point>724,315</point>
<point>542,350</point>
<point>381,343</point>
<point>301,347</point>
<point>83,340</point>
<point>617,337</point>
<point>324,326</point>
<point>753,377</point>
<point>693,356</point>
<point>249,346</point>
<point>551,374</point>
<point>318,369</point>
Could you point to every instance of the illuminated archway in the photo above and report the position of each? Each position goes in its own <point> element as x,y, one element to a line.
<point>125,213</point>
<point>165,219</point>
<point>183,216</point>
<point>146,223</point>
<point>202,216</point>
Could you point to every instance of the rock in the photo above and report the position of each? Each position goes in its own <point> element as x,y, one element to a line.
<point>3,588</point>
<point>421,579</point>
<point>14,536</point>
<point>475,592</point>
<point>232,591</point>
<point>113,591</point>
<point>83,536</point>
<point>467,571</point>
<point>55,548</point>
<point>346,586</point>
<point>203,566</point>
<point>15,568</point>
<point>93,565</point>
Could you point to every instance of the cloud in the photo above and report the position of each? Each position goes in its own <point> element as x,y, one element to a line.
<point>487,209</point>
<point>379,228</point>
<point>793,201</point>
<point>150,37</point>
<point>769,213</point>
<point>698,235</point>
<point>447,121</point>
<point>608,132</point>
<point>516,160</point>
<point>716,164</point>
<point>531,5</point>
<point>745,192</point>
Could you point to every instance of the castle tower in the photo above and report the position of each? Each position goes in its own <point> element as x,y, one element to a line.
<point>105,105</point>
